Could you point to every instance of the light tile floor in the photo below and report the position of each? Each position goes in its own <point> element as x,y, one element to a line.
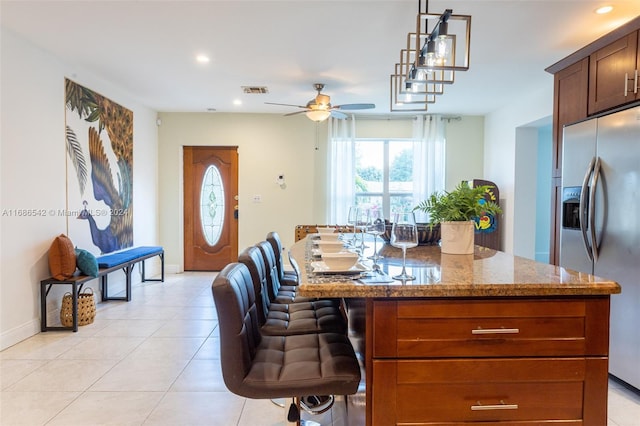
<point>153,361</point>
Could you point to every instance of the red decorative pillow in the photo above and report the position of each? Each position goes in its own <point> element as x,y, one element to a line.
<point>62,258</point>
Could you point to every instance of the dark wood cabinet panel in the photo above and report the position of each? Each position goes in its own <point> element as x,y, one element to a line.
<point>569,105</point>
<point>465,391</point>
<point>555,223</point>
<point>612,74</point>
<point>429,367</point>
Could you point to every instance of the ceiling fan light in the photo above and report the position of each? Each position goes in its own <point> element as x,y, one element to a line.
<point>318,114</point>
<point>322,100</point>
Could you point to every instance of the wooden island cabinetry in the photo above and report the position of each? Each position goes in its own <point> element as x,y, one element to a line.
<point>600,77</point>
<point>442,362</point>
<point>487,338</point>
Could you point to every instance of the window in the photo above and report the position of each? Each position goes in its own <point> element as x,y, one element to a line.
<point>395,174</point>
<point>212,205</point>
<point>384,174</point>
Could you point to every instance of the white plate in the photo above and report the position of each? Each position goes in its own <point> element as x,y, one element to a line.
<point>328,242</point>
<point>321,267</point>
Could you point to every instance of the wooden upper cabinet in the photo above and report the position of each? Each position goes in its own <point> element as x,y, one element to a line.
<point>569,105</point>
<point>612,74</point>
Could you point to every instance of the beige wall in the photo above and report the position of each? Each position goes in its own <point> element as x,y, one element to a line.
<point>465,150</point>
<point>33,165</point>
<point>501,130</point>
<point>269,145</point>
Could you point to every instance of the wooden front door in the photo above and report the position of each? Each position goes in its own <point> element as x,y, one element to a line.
<point>210,207</point>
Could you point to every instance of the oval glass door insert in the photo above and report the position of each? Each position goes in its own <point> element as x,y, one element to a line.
<point>212,205</point>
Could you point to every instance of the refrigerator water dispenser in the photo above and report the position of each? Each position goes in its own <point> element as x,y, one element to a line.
<point>571,207</point>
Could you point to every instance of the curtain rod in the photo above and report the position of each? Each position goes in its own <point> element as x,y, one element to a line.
<point>448,118</point>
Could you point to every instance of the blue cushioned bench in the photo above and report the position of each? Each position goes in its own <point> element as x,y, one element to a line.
<point>108,263</point>
<point>126,260</point>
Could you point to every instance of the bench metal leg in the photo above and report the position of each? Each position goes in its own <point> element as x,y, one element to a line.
<point>43,307</point>
<point>128,270</point>
<point>45,288</point>
<point>104,288</point>
<point>144,278</point>
<point>104,280</point>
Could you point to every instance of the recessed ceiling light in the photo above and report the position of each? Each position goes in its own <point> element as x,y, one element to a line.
<point>237,102</point>
<point>604,9</point>
<point>202,59</point>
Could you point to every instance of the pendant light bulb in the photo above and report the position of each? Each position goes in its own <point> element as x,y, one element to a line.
<point>432,60</point>
<point>442,48</point>
<point>442,41</point>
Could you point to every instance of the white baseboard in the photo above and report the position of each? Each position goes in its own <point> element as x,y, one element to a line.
<point>20,333</point>
<point>172,269</point>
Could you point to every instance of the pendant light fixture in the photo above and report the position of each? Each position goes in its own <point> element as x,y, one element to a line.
<point>438,48</point>
<point>447,41</point>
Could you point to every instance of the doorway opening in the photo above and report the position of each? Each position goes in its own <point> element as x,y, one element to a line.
<point>532,191</point>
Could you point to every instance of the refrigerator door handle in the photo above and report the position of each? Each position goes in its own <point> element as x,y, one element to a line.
<point>592,209</point>
<point>583,208</point>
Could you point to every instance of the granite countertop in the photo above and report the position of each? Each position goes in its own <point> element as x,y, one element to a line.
<point>486,273</point>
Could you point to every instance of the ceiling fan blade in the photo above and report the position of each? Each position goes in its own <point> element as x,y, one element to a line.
<point>296,106</point>
<point>355,106</point>
<point>338,114</point>
<point>294,113</point>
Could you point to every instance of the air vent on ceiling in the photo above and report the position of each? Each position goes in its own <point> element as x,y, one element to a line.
<point>255,90</point>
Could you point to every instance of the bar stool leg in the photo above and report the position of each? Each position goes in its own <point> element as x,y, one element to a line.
<point>292,412</point>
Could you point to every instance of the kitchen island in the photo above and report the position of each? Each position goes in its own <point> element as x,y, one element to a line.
<point>488,337</point>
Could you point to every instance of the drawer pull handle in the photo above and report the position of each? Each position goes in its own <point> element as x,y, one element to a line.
<point>626,84</point>
<point>501,406</point>
<point>503,330</point>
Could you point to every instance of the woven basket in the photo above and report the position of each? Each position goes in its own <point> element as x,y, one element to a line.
<point>86,308</point>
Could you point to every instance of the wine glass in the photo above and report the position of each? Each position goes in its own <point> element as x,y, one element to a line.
<point>362,223</point>
<point>404,235</point>
<point>376,227</point>
<point>352,220</point>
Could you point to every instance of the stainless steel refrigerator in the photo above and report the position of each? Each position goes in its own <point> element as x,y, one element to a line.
<point>600,224</point>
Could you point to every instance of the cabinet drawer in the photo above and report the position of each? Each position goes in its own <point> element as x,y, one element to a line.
<point>434,392</point>
<point>490,328</point>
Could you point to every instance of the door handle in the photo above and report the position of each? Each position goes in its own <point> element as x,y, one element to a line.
<point>592,208</point>
<point>635,83</point>
<point>583,208</point>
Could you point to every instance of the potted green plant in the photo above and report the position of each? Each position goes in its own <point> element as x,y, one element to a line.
<point>456,212</point>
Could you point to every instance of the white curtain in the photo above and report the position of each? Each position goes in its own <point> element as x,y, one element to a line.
<point>341,169</point>
<point>428,159</point>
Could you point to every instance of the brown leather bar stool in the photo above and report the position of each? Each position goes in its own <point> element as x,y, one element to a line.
<point>266,367</point>
<point>286,277</point>
<point>278,293</point>
<point>279,319</point>
<point>293,318</point>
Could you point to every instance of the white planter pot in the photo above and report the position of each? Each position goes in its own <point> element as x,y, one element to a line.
<point>457,237</point>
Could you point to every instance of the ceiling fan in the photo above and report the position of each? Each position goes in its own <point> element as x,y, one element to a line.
<point>320,108</point>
